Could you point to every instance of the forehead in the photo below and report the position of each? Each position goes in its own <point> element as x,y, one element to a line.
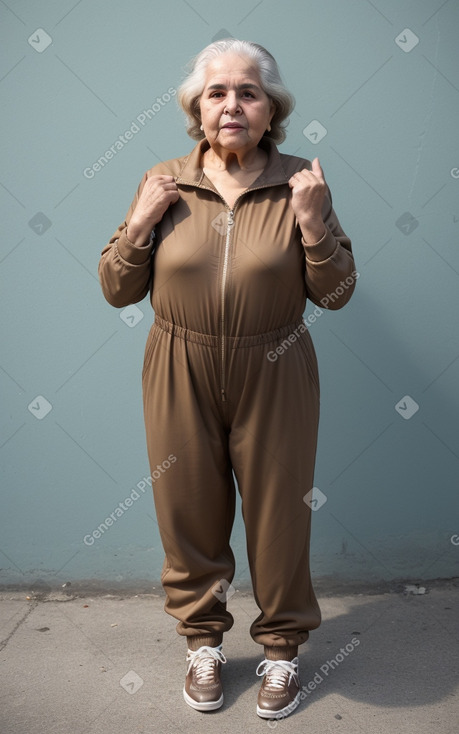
<point>228,68</point>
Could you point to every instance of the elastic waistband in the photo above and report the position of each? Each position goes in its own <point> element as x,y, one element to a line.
<point>212,340</point>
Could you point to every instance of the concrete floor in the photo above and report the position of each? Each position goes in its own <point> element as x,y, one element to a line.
<point>114,664</point>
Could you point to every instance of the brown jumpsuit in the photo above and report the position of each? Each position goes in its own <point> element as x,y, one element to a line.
<point>230,383</point>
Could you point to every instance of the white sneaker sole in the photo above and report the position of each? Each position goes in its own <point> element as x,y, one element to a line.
<point>282,713</point>
<point>204,705</point>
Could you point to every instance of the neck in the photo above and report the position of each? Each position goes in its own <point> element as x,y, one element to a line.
<point>222,159</point>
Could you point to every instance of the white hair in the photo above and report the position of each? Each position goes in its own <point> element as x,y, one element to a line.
<point>190,90</point>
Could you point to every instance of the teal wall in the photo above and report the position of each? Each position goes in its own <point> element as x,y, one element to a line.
<point>382,78</point>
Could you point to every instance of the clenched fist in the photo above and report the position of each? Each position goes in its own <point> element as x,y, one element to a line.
<point>157,195</point>
<point>308,192</point>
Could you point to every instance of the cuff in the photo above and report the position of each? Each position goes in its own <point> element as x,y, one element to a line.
<point>197,641</point>
<point>321,250</point>
<point>286,652</point>
<point>133,254</point>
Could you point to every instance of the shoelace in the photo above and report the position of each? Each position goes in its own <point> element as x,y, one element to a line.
<point>204,660</point>
<point>276,672</point>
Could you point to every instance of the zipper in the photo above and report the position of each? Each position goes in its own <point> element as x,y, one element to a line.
<point>229,226</point>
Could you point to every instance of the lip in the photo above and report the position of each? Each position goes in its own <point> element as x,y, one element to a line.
<point>233,126</point>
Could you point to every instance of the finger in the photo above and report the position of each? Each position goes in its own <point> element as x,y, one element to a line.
<point>298,177</point>
<point>157,188</point>
<point>161,177</point>
<point>317,169</point>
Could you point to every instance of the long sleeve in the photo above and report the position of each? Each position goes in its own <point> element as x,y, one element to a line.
<point>330,266</point>
<point>125,270</point>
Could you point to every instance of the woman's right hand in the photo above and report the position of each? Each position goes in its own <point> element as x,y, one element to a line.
<point>158,193</point>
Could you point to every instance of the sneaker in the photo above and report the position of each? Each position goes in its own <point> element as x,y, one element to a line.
<point>279,694</point>
<point>203,688</point>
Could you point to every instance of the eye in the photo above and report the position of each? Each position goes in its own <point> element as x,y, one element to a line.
<point>248,94</point>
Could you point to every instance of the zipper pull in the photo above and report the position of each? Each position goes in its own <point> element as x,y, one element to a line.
<point>223,395</point>
<point>230,218</point>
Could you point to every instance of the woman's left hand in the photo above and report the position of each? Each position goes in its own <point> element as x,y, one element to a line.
<point>308,192</point>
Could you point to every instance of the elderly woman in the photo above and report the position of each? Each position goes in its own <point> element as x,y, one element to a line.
<point>231,240</point>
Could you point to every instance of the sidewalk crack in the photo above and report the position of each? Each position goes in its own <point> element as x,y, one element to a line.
<point>4,642</point>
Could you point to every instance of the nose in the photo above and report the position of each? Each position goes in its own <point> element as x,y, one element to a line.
<point>232,106</point>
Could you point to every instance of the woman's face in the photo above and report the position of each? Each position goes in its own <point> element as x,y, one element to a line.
<point>235,111</point>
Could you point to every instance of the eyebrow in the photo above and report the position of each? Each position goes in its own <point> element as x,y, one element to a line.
<point>241,86</point>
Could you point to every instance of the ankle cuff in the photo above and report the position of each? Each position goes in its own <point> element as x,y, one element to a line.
<point>197,641</point>
<point>284,652</point>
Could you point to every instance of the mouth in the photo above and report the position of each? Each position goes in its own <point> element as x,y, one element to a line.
<point>233,126</point>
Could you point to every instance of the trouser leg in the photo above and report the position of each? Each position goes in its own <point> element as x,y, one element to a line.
<point>273,447</point>
<point>195,497</point>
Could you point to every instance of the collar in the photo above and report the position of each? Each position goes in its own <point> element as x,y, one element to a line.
<point>273,174</point>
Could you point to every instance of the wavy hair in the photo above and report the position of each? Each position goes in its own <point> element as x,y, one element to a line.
<point>191,89</point>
